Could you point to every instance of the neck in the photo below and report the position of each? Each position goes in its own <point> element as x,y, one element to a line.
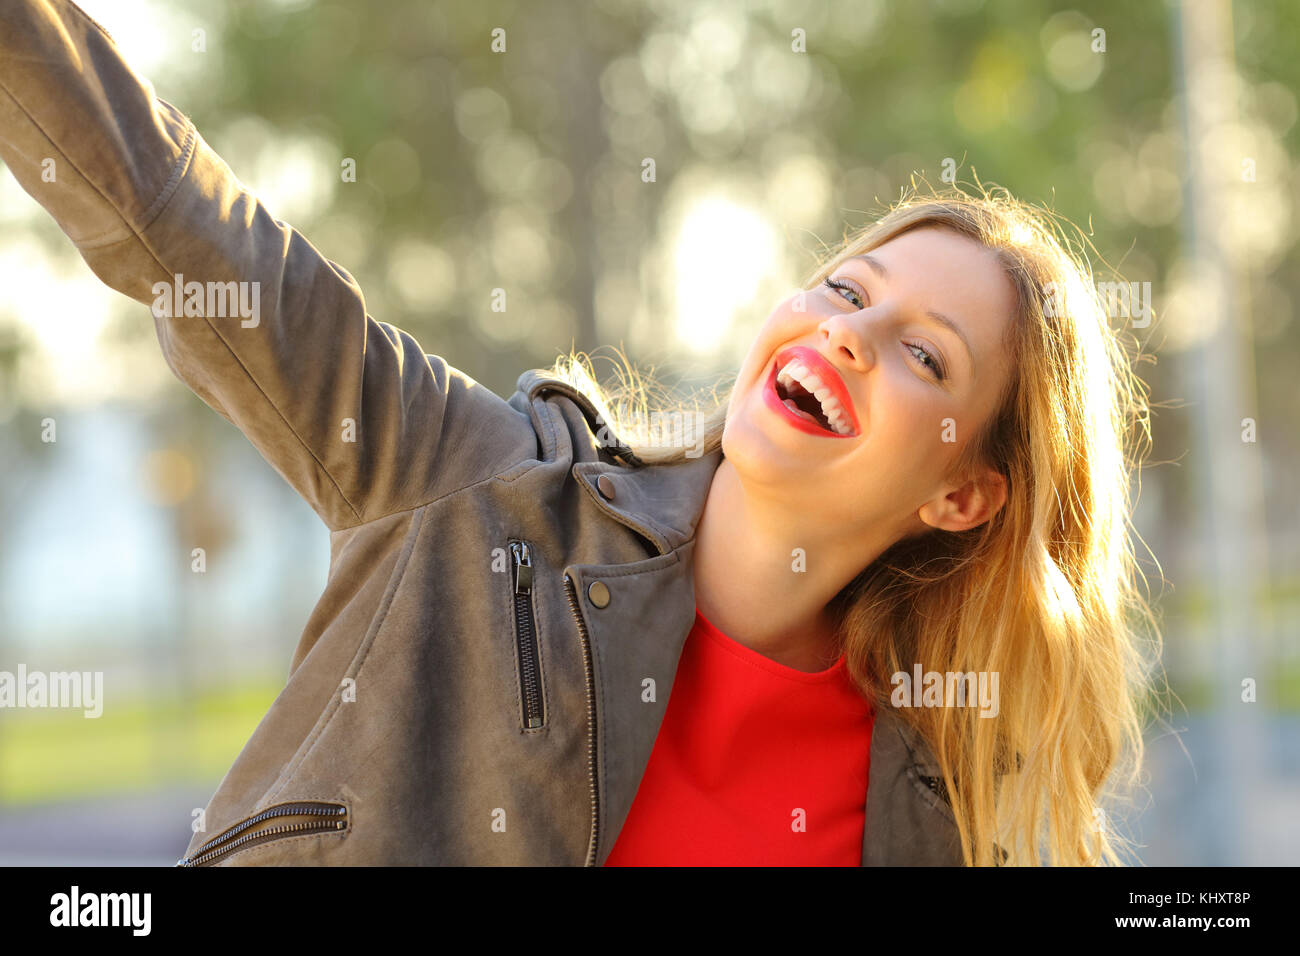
<point>754,586</point>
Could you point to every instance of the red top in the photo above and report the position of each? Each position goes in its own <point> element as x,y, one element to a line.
<point>755,764</point>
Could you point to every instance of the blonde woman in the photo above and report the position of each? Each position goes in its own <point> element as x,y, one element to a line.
<point>544,642</point>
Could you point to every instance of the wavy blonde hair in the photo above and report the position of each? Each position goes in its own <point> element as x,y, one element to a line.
<point>1045,593</point>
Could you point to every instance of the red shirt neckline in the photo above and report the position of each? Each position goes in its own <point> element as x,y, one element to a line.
<point>753,657</point>
<point>754,764</point>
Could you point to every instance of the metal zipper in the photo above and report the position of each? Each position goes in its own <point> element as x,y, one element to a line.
<point>593,841</point>
<point>320,817</point>
<point>530,679</point>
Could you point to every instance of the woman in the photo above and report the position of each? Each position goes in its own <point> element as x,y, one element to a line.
<point>967,508</point>
<point>921,469</point>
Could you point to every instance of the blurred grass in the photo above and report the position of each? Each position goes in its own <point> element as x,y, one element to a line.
<point>1278,691</point>
<point>1194,600</point>
<point>52,754</point>
<point>1285,688</point>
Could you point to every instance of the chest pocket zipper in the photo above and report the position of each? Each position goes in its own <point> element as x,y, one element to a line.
<point>527,651</point>
<point>276,822</point>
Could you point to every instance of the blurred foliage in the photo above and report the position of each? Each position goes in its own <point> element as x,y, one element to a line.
<point>520,170</point>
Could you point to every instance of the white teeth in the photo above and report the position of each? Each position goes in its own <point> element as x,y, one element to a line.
<point>835,413</point>
<point>790,404</point>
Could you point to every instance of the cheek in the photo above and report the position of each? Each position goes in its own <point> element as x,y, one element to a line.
<point>780,327</point>
<point>785,323</point>
<point>909,422</point>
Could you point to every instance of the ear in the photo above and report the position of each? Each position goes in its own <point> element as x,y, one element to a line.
<point>967,506</point>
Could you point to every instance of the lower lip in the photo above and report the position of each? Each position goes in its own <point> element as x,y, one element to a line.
<point>774,402</point>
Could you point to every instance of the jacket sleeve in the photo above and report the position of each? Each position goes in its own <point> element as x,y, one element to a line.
<point>266,330</point>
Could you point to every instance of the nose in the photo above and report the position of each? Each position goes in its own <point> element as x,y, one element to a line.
<point>843,335</point>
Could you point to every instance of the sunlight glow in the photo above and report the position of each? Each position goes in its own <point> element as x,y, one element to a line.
<point>723,252</point>
<point>54,299</point>
<point>157,38</point>
<point>65,313</point>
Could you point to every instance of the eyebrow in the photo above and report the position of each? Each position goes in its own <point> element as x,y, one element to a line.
<point>879,268</point>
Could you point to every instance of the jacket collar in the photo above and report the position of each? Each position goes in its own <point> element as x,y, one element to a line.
<point>662,504</point>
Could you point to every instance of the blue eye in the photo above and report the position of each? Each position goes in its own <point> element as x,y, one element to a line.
<point>842,287</point>
<point>930,362</point>
<point>933,364</point>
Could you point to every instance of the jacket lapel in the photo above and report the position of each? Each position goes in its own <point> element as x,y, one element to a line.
<point>907,824</point>
<point>636,643</point>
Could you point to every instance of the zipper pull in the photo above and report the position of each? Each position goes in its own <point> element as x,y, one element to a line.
<point>523,567</point>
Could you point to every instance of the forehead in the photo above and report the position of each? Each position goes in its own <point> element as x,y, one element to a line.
<point>937,269</point>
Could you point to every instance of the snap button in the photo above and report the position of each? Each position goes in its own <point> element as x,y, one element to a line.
<point>598,593</point>
<point>605,485</point>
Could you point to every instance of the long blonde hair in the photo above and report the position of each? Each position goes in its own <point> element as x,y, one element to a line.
<point>1045,593</point>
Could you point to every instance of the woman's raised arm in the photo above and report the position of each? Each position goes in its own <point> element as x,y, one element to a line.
<point>266,330</point>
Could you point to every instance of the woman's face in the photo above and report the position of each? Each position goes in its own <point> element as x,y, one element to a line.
<point>901,391</point>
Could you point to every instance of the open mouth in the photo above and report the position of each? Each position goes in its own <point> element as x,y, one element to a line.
<point>802,402</point>
<point>810,396</point>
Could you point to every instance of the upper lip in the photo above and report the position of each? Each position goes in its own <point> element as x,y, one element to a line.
<point>825,372</point>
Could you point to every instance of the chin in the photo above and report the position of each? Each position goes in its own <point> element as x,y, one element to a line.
<point>759,454</point>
